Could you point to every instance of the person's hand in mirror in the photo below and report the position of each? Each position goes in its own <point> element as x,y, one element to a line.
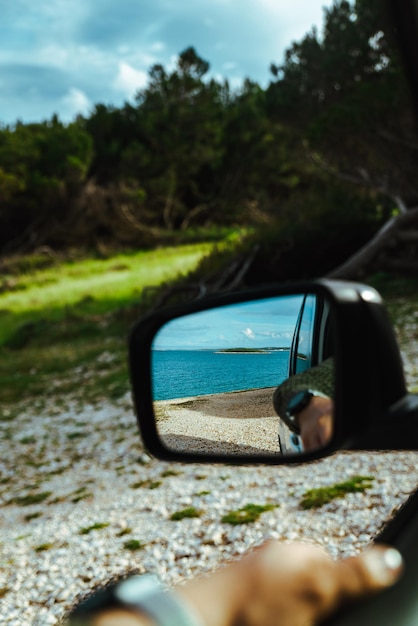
<point>316,422</point>
<point>276,584</point>
<point>304,402</point>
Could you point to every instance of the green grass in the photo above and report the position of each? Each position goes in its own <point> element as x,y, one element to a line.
<point>32,516</point>
<point>146,484</point>
<point>133,545</point>
<point>64,324</point>
<point>63,328</point>
<point>315,498</point>
<point>90,287</point>
<point>43,547</point>
<point>97,526</point>
<point>170,472</point>
<point>31,498</point>
<point>247,514</point>
<point>191,511</point>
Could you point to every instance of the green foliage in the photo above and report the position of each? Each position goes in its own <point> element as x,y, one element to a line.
<point>31,516</point>
<point>247,514</point>
<point>191,153</point>
<point>319,227</point>
<point>86,530</point>
<point>315,498</point>
<point>186,513</point>
<point>43,547</point>
<point>170,472</point>
<point>42,166</point>
<point>147,484</point>
<point>133,545</point>
<point>52,330</point>
<point>31,498</point>
<point>344,92</point>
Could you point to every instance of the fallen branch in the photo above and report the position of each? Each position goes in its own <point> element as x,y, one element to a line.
<point>362,259</point>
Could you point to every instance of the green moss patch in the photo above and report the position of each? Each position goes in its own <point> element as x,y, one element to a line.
<point>146,484</point>
<point>133,545</point>
<point>97,526</point>
<point>247,514</point>
<point>315,498</point>
<point>31,516</point>
<point>191,511</point>
<point>43,547</point>
<point>170,472</point>
<point>31,498</point>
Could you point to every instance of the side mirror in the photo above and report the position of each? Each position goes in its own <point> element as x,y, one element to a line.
<point>281,375</point>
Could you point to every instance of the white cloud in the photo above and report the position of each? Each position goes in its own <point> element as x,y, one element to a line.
<point>248,333</point>
<point>106,48</point>
<point>158,46</point>
<point>129,80</point>
<point>75,101</point>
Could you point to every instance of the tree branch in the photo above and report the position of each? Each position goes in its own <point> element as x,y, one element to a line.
<point>362,178</point>
<point>357,263</point>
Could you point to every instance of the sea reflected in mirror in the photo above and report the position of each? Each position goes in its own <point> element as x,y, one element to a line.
<point>215,373</point>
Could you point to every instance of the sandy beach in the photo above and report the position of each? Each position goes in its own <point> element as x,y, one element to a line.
<point>241,422</point>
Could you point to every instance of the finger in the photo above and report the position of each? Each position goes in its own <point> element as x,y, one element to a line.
<point>373,570</point>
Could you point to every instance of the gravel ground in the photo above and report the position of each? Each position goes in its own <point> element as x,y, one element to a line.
<point>75,488</point>
<point>242,422</point>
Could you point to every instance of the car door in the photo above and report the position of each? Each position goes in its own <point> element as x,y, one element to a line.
<point>312,343</point>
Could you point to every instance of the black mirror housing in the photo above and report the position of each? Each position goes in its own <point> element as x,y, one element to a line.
<point>368,370</point>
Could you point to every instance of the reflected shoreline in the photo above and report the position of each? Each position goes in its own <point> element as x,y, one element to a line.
<point>240,420</point>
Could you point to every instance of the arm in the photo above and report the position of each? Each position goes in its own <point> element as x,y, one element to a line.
<point>304,402</point>
<point>277,585</point>
<point>320,378</point>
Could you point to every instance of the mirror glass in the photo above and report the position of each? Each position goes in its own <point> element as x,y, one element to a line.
<point>249,378</point>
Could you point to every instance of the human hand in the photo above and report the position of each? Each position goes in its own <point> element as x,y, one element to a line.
<point>279,585</point>
<point>316,423</point>
<point>289,585</point>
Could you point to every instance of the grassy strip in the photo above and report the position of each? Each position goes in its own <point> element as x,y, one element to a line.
<point>63,328</point>
<point>89,288</point>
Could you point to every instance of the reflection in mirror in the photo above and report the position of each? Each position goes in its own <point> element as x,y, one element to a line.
<point>250,378</point>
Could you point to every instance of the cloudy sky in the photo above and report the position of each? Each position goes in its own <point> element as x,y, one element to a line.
<point>64,56</point>
<point>266,323</point>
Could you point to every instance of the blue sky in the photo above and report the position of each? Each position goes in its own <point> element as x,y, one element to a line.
<point>266,323</point>
<point>64,56</point>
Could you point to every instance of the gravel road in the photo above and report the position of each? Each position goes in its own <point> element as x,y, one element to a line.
<point>81,502</point>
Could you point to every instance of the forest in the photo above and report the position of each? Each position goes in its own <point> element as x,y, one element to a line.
<point>321,160</point>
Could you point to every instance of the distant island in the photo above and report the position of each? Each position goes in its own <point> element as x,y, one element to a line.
<point>251,350</point>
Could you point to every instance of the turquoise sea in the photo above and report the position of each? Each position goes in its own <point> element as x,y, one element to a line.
<point>183,373</point>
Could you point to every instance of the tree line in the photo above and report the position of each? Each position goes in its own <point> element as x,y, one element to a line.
<point>329,146</point>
